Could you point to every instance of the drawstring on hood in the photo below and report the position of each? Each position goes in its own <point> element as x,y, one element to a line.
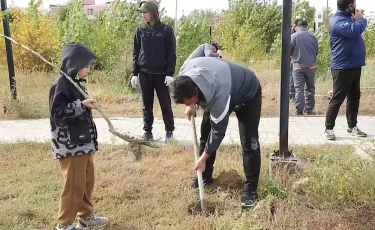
<point>153,9</point>
<point>76,56</point>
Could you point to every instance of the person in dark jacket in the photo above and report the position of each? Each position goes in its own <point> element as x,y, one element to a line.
<point>348,54</point>
<point>221,87</point>
<point>74,139</point>
<point>154,60</point>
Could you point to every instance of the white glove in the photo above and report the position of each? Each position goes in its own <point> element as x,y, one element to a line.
<point>134,81</point>
<point>168,80</point>
<point>220,52</point>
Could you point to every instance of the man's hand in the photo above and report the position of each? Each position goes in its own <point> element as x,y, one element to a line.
<point>190,110</point>
<point>358,14</point>
<point>88,103</point>
<point>134,81</point>
<point>201,163</point>
<point>168,80</point>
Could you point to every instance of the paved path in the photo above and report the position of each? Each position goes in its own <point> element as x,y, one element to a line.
<point>302,130</point>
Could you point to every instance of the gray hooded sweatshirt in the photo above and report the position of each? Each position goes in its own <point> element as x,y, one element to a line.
<point>224,86</point>
<point>204,50</point>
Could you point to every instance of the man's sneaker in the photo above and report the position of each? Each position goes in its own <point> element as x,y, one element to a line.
<point>356,132</point>
<point>310,112</point>
<point>329,134</point>
<point>249,200</point>
<point>66,227</point>
<point>92,221</point>
<point>168,136</point>
<point>147,136</point>
<point>206,182</point>
<point>299,113</point>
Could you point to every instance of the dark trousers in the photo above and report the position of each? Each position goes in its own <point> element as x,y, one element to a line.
<point>148,83</point>
<point>304,85</point>
<point>346,83</point>
<point>248,122</point>
<point>292,91</point>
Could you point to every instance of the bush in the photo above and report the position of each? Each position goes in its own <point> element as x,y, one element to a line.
<point>369,36</point>
<point>248,29</point>
<point>193,30</point>
<point>324,56</point>
<point>76,27</point>
<point>115,28</point>
<point>37,31</point>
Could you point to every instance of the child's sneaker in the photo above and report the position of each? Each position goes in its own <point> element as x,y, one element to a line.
<point>66,227</point>
<point>92,221</point>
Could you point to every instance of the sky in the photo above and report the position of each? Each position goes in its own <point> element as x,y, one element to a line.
<point>186,6</point>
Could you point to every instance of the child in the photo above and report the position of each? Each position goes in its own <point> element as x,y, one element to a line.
<point>74,139</point>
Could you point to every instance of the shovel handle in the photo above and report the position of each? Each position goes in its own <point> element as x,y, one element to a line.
<point>199,173</point>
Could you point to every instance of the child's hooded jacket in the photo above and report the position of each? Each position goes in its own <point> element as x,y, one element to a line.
<point>72,127</point>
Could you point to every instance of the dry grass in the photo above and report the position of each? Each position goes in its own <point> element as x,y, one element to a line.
<point>117,101</point>
<point>155,193</point>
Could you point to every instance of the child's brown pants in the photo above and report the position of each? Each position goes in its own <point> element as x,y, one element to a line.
<point>75,199</point>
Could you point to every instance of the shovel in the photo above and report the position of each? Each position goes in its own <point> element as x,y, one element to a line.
<point>199,173</point>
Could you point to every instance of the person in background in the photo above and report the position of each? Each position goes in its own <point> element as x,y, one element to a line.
<point>154,60</point>
<point>304,53</point>
<point>206,50</point>
<point>292,92</point>
<point>348,54</point>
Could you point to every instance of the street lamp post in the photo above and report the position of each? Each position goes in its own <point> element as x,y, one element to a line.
<point>9,51</point>
<point>283,156</point>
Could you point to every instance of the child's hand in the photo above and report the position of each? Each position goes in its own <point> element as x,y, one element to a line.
<point>88,103</point>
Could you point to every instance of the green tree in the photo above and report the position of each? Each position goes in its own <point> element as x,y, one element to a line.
<point>193,30</point>
<point>248,28</point>
<point>76,26</point>
<point>168,20</point>
<point>61,12</point>
<point>368,36</point>
<point>327,14</point>
<point>302,9</point>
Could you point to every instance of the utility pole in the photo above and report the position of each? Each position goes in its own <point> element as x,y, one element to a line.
<point>285,74</point>
<point>175,19</point>
<point>283,156</point>
<point>9,51</point>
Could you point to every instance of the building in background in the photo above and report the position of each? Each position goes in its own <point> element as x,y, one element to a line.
<point>370,16</point>
<point>92,10</point>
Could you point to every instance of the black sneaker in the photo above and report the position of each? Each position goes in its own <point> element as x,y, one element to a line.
<point>249,200</point>
<point>168,136</point>
<point>310,112</point>
<point>206,182</point>
<point>299,113</point>
<point>356,132</point>
<point>147,136</point>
